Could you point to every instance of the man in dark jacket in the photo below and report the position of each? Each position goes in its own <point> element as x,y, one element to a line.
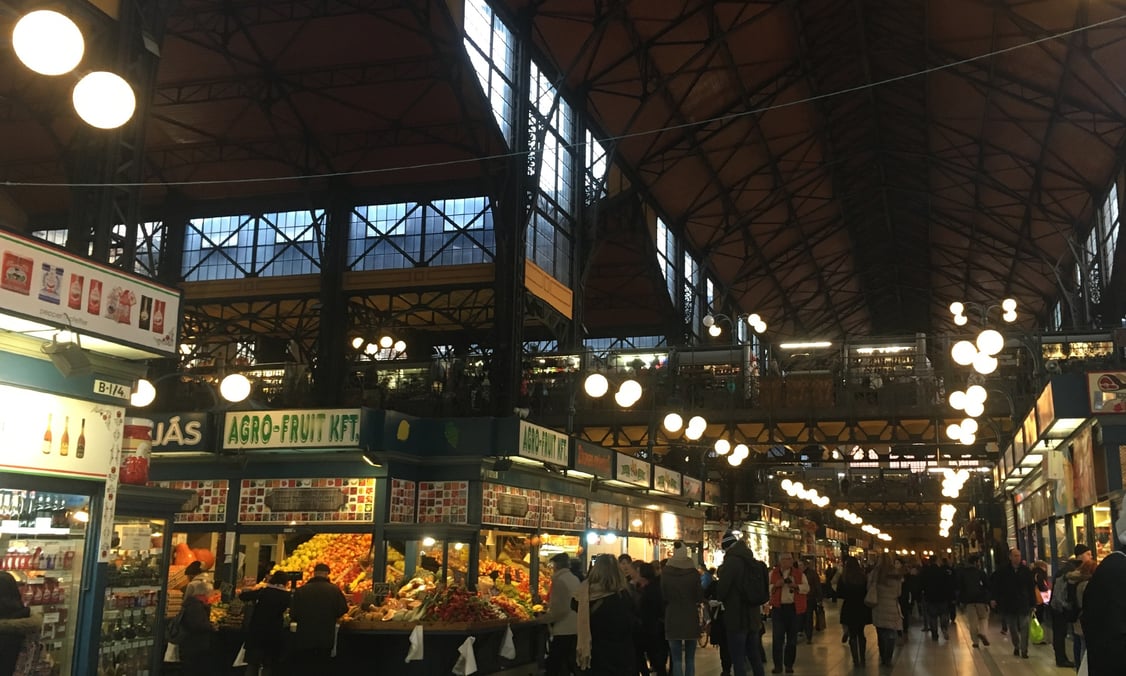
<point>742,580</point>
<point>938,592</point>
<point>974,595</point>
<point>1104,612</point>
<point>1014,594</point>
<point>316,607</point>
<point>1062,613</point>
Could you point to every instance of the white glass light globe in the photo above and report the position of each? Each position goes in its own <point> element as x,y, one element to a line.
<point>1009,317</point>
<point>969,426</point>
<point>386,342</point>
<point>1009,305</point>
<point>357,342</point>
<point>673,422</point>
<point>963,475</point>
<point>967,440</point>
<point>741,450</point>
<point>990,341</point>
<point>709,321</point>
<point>961,320</point>
<point>723,447</point>
<point>714,331</point>
<point>976,393</point>
<point>759,327</point>
<point>974,409</point>
<point>984,364</point>
<point>734,460</point>
<point>631,388</point>
<point>698,422</point>
<point>400,346</point>
<point>963,352</point>
<point>143,395</point>
<point>954,431</point>
<point>371,348</point>
<point>786,483</point>
<point>753,319</point>
<point>957,400</point>
<point>48,42</point>
<point>596,385</point>
<point>104,100</point>
<point>956,308</point>
<point>235,387</point>
<point>798,487</point>
<point>623,399</point>
<point>693,433</point>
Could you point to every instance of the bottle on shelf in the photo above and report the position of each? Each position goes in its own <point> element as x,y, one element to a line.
<point>80,446</point>
<point>64,441</point>
<point>47,437</point>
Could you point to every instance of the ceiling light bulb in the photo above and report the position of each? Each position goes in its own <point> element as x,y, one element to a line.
<point>47,42</point>
<point>954,431</point>
<point>734,460</point>
<point>956,308</point>
<point>144,395</point>
<point>371,348</point>
<point>357,342</point>
<point>723,447</point>
<point>697,422</point>
<point>990,341</point>
<point>673,422</point>
<point>968,439</point>
<point>958,400</point>
<point>693,433</point>
<point>596,385</point>
<point>963,352</point>
<point>400,346</point>
<point>753,319</point>
<point>976,393</point>
<point>984,363</point>
<point>104,100</point>
<point>1009,317</point>
<point>969,426</point>
<point>386,342</point>
<point>741,450</point>
<point>786,484</point>
<point>623,399</point>
<point>709,320</point>
<point>961,320</point>
<point>759,327</point>
<point>632,388</point>
<point>1009,305</point>
<point>235,387</point>
<point>714,331</point>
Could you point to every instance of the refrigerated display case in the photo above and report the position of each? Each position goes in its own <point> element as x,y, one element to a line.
<point>43,539</point>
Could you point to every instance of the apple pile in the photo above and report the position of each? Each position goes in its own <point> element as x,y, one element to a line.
<point>343,552</point>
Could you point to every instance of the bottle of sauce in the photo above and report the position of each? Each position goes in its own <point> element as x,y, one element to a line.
<point>47,437</point>
<point>80,446</point>
<point>64,441</point>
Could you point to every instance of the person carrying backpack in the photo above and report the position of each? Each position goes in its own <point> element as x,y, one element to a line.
<point>742,590</point>
<point>1064,605</point>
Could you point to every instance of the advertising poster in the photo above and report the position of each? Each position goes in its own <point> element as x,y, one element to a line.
<point>1083,469</point>
<point>631,470</point>
<point>1107,391</point>
<point>44,284</point>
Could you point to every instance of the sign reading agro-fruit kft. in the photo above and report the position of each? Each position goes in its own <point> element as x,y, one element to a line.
<point>540,443</point>
<point>311,428</point>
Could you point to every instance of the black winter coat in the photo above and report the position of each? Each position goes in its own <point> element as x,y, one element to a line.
<point>1104,617</point>
<point>196,629</point>
<point>612,623</point>
<point>316,606</point>
<point>732,589</point>
<point>973,586</point>
<point>937,583</point>
<point>1014,589</point>
<point>267,629</point>
<point>853,611</point>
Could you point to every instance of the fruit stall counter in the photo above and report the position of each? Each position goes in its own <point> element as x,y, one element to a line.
<point>357,644</point>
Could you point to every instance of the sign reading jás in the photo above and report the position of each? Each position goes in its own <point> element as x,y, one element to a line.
<point>631,470</point>
<point>540,443</point>
<point>311,428</point>
<point>181,432</point>
<point>594,460</point>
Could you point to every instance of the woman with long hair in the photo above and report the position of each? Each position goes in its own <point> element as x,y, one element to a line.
<point>851,589</point>
<point>887,577</point>
<point>15,623</point>
<point>607,621</point>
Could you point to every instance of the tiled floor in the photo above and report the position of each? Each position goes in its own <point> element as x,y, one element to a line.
<point>918,657</point>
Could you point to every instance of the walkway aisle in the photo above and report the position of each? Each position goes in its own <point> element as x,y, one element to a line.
<point>920,656</point>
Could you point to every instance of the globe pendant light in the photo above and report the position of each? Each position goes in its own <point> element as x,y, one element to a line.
<point>104,100</point>
<point>48,42</point>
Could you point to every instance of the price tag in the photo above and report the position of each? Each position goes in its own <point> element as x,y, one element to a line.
<point>50,618</point>
<point>135,538</point>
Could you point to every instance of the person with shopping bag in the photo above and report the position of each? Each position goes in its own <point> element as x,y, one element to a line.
<point>1014,596</point>
<point>265,631</point>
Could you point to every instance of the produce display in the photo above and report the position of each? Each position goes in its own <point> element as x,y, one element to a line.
<point>420,600</point>
<point>345,554</point>
<point>513,581</point>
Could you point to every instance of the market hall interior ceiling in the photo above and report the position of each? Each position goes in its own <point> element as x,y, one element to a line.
<point>843,168</point>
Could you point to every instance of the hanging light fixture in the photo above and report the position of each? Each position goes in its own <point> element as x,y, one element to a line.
<point>596,385</point>
<point>48,43</point>
<point>104,100</point>
<point>673,423</point>
<point>143,395</point>
<point>235,387</point>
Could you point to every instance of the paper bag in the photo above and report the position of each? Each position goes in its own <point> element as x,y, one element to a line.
<point>466,660</point>
<point>171,653</point>
<point>240,658</point>
<point>414,654</point>
<point>507,647</point>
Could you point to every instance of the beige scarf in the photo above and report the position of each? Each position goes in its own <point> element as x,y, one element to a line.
<point>586,596</point>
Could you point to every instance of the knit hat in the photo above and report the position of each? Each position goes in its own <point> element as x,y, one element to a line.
<point>1081,549</point>
<point>680,559</point>
<point>730,537</point>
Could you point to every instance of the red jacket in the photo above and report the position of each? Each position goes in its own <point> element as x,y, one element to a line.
<point>798,578</point>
